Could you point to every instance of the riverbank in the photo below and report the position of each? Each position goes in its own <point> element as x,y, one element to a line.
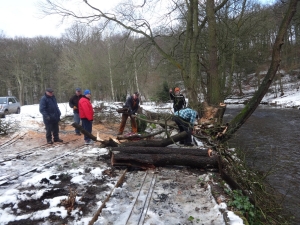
<point>288,97</point>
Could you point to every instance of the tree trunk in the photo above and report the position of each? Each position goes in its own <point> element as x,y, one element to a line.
<point>80,128</point>
<point>156,160</point>
<point>247,111</point>
<point>161,150</point>
<point>154,143</point>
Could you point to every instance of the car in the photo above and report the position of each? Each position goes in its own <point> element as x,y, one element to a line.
<point>8,105</point>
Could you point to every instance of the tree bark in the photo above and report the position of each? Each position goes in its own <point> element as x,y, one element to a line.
<point>138,136</point>
<point>156,160</point>
<point>247,111</point>
<point>161,150</point>
<point>80,128</point>
<point>154,143</point>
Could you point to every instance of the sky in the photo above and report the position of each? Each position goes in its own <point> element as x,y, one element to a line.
<point>21,18</point>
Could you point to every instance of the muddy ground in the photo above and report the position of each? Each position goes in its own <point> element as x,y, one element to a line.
<point>79,201</point>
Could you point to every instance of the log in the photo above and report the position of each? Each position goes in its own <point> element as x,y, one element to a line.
<point>154,143</point>
<point>109,143</point>
<point>162,124</point>
<point>138,136</point>
<point>162,150</point>
<point>80,128</point>
<point>122,110</point>
<point>156,160</point>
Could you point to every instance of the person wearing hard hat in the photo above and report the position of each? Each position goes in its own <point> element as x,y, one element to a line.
<point>178,99</point>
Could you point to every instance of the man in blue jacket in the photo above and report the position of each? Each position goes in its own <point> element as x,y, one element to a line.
<point>51,116</point>
<point>185,119</point>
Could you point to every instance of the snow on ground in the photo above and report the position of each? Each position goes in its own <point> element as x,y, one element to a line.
<point>290,99</point>
<point>36,197</point>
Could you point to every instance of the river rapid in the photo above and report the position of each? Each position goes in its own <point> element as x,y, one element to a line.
<point>271,140</point>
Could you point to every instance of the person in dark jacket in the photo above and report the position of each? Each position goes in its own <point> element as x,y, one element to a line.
<point>185,120</point>
<point>132,104</point>
<point>178,99</point>
<point>51,116</point>
<point>86,114</point>
<point>73,103</point>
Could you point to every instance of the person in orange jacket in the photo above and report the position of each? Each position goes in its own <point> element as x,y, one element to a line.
<point>86,114</point>
<point>178,99</point>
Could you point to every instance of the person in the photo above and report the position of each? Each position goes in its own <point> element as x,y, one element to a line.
<point>132,104</point>
<point>185,120</point>
<point>86,114</point>
<point>178,99</point>
<point>51,115</point>
<point>73,103</point>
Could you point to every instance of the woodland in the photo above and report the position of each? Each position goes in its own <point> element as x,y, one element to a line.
<point>207,48</point>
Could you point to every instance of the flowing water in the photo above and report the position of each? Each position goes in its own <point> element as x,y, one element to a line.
<point>271,140</point>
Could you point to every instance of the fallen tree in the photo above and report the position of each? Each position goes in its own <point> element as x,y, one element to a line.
<point>149,157</point>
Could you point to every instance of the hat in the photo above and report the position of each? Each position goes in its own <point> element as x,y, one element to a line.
<point>78,89</point>
<point>136,93</point>
<point>86,92</point>
<point>49,90</point>
<point>177,89</point>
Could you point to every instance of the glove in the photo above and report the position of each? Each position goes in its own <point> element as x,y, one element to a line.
<point>75,107</point>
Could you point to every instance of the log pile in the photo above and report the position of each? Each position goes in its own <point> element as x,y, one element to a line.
<point>143,152</point>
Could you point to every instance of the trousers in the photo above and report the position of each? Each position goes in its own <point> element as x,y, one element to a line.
<point>123,123</point>
<point>87,125</point>
<point>76,120</point>
<point>52,129</point>
<point>184,125</point>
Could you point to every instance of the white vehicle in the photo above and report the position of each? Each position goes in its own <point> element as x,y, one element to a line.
<point>8,105</point>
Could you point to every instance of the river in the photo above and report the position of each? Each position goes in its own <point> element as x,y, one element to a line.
<point>271,139</point>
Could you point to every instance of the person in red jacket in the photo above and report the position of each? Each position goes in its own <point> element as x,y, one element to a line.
<point>86,114</point>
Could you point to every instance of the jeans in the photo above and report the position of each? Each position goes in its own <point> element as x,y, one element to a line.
<point>76,120</point>
<point>87,125</point>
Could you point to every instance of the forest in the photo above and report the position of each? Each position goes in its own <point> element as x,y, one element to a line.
<point>113,61</point>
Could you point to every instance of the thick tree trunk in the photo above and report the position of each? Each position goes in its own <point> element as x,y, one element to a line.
<point>161,150</point>
<point>156,160</point>
<point>247,111</point>
<point>138,136</point>
<point>157,143</point>
<point>212,114</point>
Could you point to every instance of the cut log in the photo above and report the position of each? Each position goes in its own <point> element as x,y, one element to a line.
<point>156,160</point>
<point>162,150</point>
<point>109,143</point>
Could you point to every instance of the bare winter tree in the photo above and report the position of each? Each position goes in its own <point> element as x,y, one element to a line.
<point>187,21</point>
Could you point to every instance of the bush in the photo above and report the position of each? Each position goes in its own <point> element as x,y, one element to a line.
<point>142,125</point>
